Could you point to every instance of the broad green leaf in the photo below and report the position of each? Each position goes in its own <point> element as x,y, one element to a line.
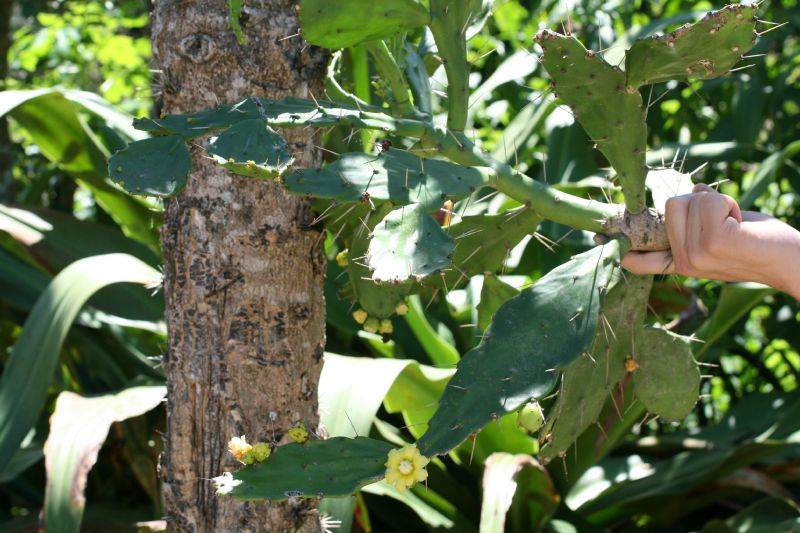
<point>767,173</point>
<point>494,294</point>
<point>426,512</point>
<point>346,23</point>
<point>414,394</point>
<point>438,349</point>
<point>29,371</point>
<point>78,428</point>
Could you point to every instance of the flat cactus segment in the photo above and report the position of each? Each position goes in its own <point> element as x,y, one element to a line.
<point>155,167</point>
<point>408,243</point>
<point>590,379</point>
<point>533,335</point>
<point>332,467</point>
<point>345,23</point>
<point>394,175</point>
<point>667,380</point>
<point>704,50</point>
<point>613,117</point>
<point>494,294</point>
<point>484,241</point>
<point>377,299</point>
<point>194,125</point>
<point>251,148</point>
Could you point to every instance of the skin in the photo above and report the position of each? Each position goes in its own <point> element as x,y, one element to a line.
<point>712,238</point>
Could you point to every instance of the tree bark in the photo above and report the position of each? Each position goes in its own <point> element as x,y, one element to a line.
<point>243,272</point>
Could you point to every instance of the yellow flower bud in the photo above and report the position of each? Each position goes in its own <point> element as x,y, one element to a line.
<point>401,308</point>
<point>298,433</point>
<point>342,258</point>
<point>386,327</point>
<point>360,316</point>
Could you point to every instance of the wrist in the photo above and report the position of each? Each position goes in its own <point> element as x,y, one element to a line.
<point>791,273</point>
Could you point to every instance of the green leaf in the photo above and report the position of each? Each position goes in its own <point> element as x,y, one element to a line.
<point>414,394</point>
<point>499,488</point>
<point>438,349</point>
<point>533,335</point>
<point>766,173</point>
<point>332,467</point>
<point>29,371</point>
<point>346,23</point>
<point>78,428</point>
<point>251,148</point>
<point>157,166</point>
<point>704,50</point>
<point>494,294</point>
<point>394,175</point>
<point>408,243</point>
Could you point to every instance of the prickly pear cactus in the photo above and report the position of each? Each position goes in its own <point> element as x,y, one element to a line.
<point>667,379</point>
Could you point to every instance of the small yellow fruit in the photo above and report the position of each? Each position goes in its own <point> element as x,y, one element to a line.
<point>372,325</point>
<point>298,433</point>
<point>386,327</point>
<point>360,316</point>
<point>343,258</point>
<point>401,308</point>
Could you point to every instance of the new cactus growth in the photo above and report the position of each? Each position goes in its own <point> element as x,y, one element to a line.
<point>579,325</point>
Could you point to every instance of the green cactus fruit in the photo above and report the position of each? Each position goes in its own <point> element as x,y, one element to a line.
<point>372,325</point>
<point>332,467</point>
<point>706,49</point>
<point>345,23</point>
<point>531,417</point>
<point>533,335</point>
<point>613,116</point>
<point>494,294</point>
<point>590,379</point>
<point>251,148</point>
<point>394,174</point>
<point>667,380</point>
<point>377,300</point>
<point>408,243</point>
<point>155,167</point>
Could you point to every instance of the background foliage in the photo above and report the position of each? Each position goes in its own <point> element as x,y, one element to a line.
<point>78,71</point>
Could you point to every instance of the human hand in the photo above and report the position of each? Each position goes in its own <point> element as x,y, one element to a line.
<point>710,237</point>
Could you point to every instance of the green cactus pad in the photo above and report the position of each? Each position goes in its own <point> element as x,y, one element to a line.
<point>194,125</point>
<point>706,49</point>
<point>394,175</point>
<point>533,335</point>
<point>667,381</point>
<point>251,148</point>
<point>494,294</point>
<point>377,299</point>
<point>155,167</point>
<point>407,243</point>
<point>332,467</point>
<point>484,241</point>
<point>613,117</point>
<point>345,23</point>
<point>588,381</point>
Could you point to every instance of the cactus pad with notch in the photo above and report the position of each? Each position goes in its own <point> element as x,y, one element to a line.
<point>156,166</point>
<point>533,335</point>
<point>251,148</point>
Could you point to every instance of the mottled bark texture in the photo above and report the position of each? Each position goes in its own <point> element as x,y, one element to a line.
<point>243,272</point>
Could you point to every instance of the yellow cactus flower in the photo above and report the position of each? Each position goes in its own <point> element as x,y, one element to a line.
<point>342,258</point>
<point>360,316</point>
<point>372,324</point>
<point>386,327</point>
<point>401,308</point>
<point>406,467</point>
<point>298,433</point>
<point>239,448</point>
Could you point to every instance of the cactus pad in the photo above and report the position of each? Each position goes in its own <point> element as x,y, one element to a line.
<point>408,243</point>
<point>667,381</point>
<point>333,467</point>
<point>251,148</point>
<point>345,23</point>
<point>394,175</point>
<point>494,294</point>
<point>533,335</point>
<point>706,49</point>
<point>590,379</point>
<point>613,116</point>
<point>156,166</point>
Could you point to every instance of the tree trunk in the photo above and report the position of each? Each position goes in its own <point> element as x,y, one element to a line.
<point>243,272</point>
